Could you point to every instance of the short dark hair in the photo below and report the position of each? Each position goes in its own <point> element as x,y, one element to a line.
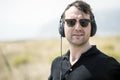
<point>81,5</point>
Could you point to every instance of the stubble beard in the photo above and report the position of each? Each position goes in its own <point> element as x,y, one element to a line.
<point>80,42</point>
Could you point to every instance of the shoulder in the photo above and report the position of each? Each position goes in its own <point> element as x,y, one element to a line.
<point>103,61</point>
<point>56,61</point>
<point>106,59</point>
<point>105,67</point>
<point>113,68</point>
<point>54,67</point>
<point>112,64</point>
<point>109,65</point>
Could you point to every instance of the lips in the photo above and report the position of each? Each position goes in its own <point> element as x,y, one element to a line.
<point>78,34</point>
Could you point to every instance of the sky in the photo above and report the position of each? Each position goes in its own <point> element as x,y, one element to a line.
<point>24,19</point>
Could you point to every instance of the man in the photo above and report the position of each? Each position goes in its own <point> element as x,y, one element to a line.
<point>82,61</point>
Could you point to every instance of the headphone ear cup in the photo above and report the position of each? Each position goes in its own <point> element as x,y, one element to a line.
<point>93,27</point>
<point>61,29</point>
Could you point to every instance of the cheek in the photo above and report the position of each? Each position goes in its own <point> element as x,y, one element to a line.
<point>67,31</point>
<point>89,29</point>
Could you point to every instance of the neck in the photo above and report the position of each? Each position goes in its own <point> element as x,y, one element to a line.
<point>77,51</point>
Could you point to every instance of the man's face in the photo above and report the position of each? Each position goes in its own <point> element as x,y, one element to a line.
<point>76,33</point>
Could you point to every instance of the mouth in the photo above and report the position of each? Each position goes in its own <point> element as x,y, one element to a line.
<point>78,34</point>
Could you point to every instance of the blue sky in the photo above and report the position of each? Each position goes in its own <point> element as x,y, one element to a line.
<point>24,19</point>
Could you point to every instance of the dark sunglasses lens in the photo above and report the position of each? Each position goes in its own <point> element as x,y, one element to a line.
<point>84,22</point>
<point>70,22</point>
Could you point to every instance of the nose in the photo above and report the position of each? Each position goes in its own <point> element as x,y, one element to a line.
<point>78,26</point>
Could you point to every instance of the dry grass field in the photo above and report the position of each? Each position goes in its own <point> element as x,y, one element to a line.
<point>31,60</point>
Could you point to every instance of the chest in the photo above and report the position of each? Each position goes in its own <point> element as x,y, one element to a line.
<point>79,73</point>
<point>75,72</point>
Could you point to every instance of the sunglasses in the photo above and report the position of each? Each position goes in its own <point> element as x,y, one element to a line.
<point>82,22</point>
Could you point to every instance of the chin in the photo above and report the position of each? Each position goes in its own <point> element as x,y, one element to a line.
<point>79,42</point>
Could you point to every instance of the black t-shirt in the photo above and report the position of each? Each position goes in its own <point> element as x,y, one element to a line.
<point>92,65</point>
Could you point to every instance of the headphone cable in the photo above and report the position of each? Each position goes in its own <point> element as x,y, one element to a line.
<point>61,58</point>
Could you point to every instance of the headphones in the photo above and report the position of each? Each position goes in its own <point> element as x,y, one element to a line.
<point>93,26</point>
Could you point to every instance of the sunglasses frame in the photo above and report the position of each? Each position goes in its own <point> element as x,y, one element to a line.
<point>82,22</point>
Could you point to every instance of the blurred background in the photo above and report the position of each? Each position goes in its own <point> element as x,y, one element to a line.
<point>29,38</point>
